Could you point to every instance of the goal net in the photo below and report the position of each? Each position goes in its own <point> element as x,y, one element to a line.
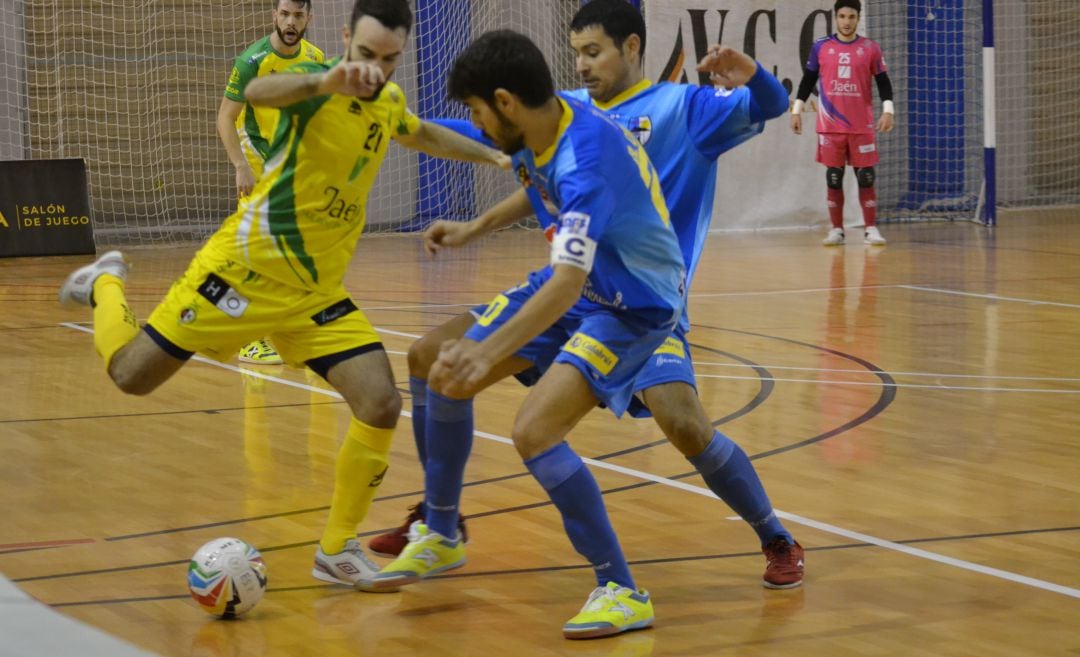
<point>133,87</point>
<point>934,164</point>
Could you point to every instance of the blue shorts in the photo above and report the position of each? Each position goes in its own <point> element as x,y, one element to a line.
<point>603,345</point>
<point>671,362</point>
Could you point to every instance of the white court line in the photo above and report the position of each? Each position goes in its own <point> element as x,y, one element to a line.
<point>853,383</point>
<point>422,305</point>
<point>673,483</point>
<point>793,291</point>
<point>692,295</point>
<point>889,372</point>
<point>993,297</point>
<point>940,386</point>
<point>702,295</point>
<point>399,333</point>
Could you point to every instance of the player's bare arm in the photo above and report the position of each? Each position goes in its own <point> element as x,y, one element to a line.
<point>506,212</point>
<point>226,128</point>
<point>437,141</point>
<point>464,363</point>
<point>727,67</point>
<point>348,78</point>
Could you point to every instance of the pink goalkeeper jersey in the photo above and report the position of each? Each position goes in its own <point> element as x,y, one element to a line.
<point>846,71</point>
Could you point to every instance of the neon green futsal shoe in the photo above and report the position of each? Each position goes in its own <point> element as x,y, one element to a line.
<point>260,352</point>
<point>427,553</point>
<point>610,610</point>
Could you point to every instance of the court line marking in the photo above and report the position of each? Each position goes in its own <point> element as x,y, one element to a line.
<point>993,297</point>
<point>706,295</point>
<point>856,383</point>
<point>792,291</point>
<point>692,295</point>
<point>45,544</point>
<point>673,483</point>
<point>891,373</point>
<point>940,386</point>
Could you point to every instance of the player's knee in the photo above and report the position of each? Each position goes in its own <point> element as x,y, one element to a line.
<point>689,432</point>
<point>132,382</point>
<point>679,414</point>
<point>422,355</point>
<point>530,438</point>
<point>865,176</point>
<point>380,408</point>
<point>834,177</point>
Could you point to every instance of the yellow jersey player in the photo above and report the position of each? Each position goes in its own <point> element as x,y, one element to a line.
<point>246,131</point>
<point>276,266</point>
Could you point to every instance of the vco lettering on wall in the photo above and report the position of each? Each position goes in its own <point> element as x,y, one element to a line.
<point>779,36</point>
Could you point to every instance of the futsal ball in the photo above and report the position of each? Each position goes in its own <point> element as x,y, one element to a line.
<point>227,577</point>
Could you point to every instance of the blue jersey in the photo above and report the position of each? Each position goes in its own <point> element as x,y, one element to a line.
<point>611,219</point>
<point>684,129</point>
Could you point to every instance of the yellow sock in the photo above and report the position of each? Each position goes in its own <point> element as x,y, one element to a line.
<point>114,323</point>
<point>361,464</point>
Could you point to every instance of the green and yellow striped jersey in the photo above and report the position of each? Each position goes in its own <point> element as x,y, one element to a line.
<point>301,222</point>
<point>256,125</point>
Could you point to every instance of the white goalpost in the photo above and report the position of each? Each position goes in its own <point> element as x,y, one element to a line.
<point>981,123</point>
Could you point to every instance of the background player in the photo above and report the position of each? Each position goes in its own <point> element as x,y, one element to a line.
<point>276,265</point>
<point>845,62</point>
<point>685,129</point>
<point>246,131</point>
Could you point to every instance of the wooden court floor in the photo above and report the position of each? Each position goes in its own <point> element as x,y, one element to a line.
<point>912,411</point>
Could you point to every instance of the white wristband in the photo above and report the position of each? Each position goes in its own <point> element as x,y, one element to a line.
<point>887,107</point>
<point>797,107</point>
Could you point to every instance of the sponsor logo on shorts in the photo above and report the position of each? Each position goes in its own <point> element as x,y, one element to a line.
<point>336,311</point>
<point>671,346</point>
<point>592,351</point>
<point>867,148</point>
<point>226,299</point>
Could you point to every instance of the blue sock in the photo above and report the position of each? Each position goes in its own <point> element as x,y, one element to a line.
<point>577,496</point>
<point>727,470</point>
<point>418,388</point>
<point>449,433</point>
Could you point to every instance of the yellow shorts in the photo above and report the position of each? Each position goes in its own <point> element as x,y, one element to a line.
<point>219,306</point>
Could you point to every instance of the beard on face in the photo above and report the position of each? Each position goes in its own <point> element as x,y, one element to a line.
<point>285,39</point>
<point>509,139</point>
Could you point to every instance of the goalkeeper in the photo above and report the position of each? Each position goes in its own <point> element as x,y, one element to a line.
<point>845,62</point>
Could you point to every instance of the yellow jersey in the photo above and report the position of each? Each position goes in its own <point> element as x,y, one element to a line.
<point>301,222</point>
<point>256,125</point>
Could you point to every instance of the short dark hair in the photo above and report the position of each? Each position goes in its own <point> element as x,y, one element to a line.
<point>306,4</point>
<point>391,13</point>
<point>850,4</point>
<point>618,18</point>
<point>502,59</point>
